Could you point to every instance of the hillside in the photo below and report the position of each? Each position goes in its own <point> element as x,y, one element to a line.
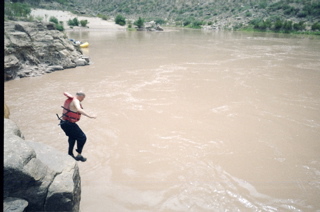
<point>231,14</point>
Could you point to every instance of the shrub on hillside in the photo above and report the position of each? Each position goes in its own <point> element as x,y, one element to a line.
<point>103,17</point>
<point>287,26</point>
<point>73,22</point>
<point>139,23</point>
<point>54,20</point>
<point>315,26</point>
<point>60,27</point>
<point>84,23</point>
<point>261,25</point>
<point>278,25</point>
<point>12,10</point>
<point>197,24</point>
<point>120,20</point>
<point>299,26</point>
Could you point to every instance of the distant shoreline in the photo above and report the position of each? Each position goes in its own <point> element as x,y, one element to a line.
<point>94,23</point>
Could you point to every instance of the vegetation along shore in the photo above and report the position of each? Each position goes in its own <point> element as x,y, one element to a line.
<point>287,16</point>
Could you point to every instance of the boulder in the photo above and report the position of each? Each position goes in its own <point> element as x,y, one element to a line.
<point>53,68</point>
<point>81,62</point>
<point>150,26</point>
<point>11,204</point>
<point>45,178</point>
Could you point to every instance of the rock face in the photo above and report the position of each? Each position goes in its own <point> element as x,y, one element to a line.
<point>37,177</point>
<point>150,26</point>
<point>35,48</point>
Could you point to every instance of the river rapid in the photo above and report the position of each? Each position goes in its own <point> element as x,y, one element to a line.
<point>187,120</point>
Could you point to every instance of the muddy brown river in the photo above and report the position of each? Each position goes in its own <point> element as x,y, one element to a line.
<point>188,120</point>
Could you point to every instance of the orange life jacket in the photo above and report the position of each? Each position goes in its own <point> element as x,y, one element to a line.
<point>67,114</point>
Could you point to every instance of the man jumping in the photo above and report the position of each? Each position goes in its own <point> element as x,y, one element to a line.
<point>72,111</point>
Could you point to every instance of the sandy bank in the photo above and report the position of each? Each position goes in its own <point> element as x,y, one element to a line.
<point>95,23</point>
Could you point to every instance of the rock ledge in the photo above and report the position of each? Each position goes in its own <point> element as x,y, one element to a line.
<point>37,177</point>
<point>36,48</point>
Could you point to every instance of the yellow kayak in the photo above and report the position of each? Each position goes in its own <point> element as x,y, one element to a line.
<point>84,45</point>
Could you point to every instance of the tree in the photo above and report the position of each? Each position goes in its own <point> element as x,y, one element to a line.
<point>299,26</point>
<point>17,9</point>
<point>58,24</point>
<point>84,23</point>
<point>315,26</point>
<point>278,25</point>
<point>139,23</point>
<point>75,22</point>
<point>120,20</point>
<point>70,22</point>
<point>53,19</point>
<point>287,26</point>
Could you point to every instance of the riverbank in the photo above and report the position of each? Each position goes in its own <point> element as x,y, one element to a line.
<point>94,23</point>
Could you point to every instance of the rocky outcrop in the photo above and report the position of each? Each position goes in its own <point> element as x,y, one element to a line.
<point>37,177</point>
<point>150,26</point>
<point>36,48</point>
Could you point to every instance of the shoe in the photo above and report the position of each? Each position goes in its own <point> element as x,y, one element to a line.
<point>81,158</point>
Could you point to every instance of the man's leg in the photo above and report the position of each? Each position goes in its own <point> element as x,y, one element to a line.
<point>80,142</point>
<point>67,128</point>
<point>71,142</point>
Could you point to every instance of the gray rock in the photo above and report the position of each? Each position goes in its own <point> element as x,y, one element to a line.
<point>20,40</point>
<point>37,43</point>
<point>47,183</point>
<point>11,204</point>
<point>53,68</point>
<point>12,128</point>
<point>81,62</point>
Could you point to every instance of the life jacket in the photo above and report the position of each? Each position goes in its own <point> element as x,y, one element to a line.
<point>67,114</point>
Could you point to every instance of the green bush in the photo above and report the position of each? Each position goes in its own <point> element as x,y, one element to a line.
<point>302,14</point>
<point>261,25</point>
<point>188,21</point>
<point>139,23</point>
<point>287,26</point>
<point>59,27</point>
<point>58,24</point>
<point>248,14</point>
<point>278,25</point>
<point>73,22</point>
<point>54,20</point>
<point>315,26</point>
<point>84,23</point>
<point>70,22</point>
<point>262,5</point>
<point>103,17</point>
<point>129,24</point>
<point>120,20</point>
<point>299,26</point>
<point>312,9</point>
<point>17,9</point>
<point>197,24</point>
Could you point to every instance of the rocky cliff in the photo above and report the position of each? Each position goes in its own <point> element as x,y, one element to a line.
<point>36,177</point>
<point>36,48</point>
